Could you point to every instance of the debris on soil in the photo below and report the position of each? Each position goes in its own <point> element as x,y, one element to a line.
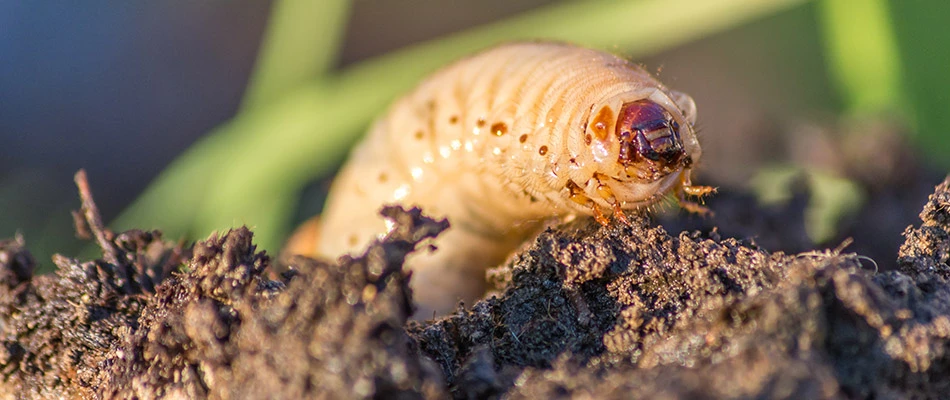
<point>582,311</point>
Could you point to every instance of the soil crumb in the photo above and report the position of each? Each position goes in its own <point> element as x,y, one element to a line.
<point>582,311</point>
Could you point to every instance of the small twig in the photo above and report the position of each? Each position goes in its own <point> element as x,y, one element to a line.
<point>94,220</point>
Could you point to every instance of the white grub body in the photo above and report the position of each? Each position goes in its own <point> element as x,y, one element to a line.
<point>497,143</point>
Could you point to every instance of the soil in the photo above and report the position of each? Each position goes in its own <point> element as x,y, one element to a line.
<point>687,308</point>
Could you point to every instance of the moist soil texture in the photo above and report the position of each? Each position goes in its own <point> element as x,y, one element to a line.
<point>740,305</point>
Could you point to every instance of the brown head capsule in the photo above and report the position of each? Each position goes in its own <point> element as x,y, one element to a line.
<point>649,139</point>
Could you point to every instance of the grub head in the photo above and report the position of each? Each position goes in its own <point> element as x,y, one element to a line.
<point>650,142</point>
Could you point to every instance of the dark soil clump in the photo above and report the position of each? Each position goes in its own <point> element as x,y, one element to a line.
<point>582,311</point>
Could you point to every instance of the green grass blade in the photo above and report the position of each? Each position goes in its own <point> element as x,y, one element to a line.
<point>923,36</point>
<point>862,54</point>
<point>302,41</point>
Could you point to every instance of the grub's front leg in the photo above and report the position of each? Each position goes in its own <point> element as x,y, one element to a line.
<point>686,188</point>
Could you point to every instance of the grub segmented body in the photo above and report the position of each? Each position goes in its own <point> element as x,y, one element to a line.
<point>500,142</point>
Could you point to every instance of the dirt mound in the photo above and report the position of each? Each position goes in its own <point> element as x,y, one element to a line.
<point>582,311</point>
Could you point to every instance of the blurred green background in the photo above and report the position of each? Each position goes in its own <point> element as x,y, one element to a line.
<point>194,118</point>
